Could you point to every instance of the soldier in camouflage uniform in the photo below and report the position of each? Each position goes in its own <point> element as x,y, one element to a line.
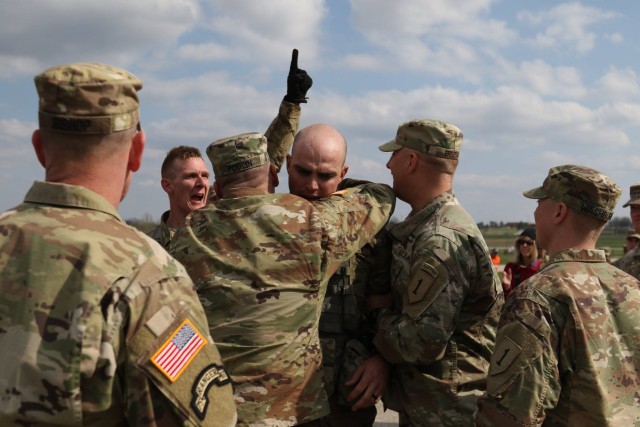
<point>630,261</point>
<point>185,179</point>
<point>98,325</point>
<point>440,331</point>
<point>354,375</point>
<point>568,345</point>
<point>261,263</point>
<point>184,165</point>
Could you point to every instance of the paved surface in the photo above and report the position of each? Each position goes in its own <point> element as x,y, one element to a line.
<point>387,418</point>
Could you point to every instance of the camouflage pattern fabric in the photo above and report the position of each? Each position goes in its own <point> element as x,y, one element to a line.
<point>279,136</point>
<point>87,98</point>
<point>281,133</point>
<point>261,264</point>
<point>568,348</point>
<point>581,188</point>
<point>630,262</point>
<point>162,233</point>
<point>86,302</point>
<point>441,333</point>
<point>344,321</point>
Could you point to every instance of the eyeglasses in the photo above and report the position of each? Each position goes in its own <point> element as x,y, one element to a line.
<point>522,242</point>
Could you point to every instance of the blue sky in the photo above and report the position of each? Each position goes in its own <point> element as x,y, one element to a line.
<point>531,84</point>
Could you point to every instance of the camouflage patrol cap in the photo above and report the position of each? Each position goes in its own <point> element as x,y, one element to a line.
<point>238,153</point>
<point>580,188</point>
<point>633,235</point>
<point>427,136</point>
<point>635,195</point>
<point>87,98</point>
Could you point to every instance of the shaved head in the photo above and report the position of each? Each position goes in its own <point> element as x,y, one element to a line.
<point>316,164</point>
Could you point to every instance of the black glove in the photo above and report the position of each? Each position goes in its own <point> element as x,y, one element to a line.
<point>298,81</point>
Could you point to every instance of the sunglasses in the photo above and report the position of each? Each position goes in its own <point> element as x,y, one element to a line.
<point>522,242</point>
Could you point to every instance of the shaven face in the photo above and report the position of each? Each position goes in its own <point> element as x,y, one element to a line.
<point>316,164</point>
<point>187,185</point>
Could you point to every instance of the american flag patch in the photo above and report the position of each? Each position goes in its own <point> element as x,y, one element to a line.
<point>178,351</point>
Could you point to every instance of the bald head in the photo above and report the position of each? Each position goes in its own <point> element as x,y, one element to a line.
<point>316,164</point>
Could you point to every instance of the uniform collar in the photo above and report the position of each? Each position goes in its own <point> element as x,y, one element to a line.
<point>580,255</point>
<point>403,229</point>
<point>71,196</point>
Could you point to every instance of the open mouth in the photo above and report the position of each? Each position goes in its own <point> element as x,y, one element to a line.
<point>197,198</point>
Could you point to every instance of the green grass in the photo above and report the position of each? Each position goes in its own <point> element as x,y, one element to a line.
<point>503,238</point>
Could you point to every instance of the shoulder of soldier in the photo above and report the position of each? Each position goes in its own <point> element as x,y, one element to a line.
<point>371,192</point>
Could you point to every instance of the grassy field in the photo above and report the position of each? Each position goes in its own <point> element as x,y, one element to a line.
<point>503,238</point>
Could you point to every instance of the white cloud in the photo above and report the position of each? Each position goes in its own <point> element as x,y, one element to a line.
<point>615,38</point>
<point>619,84</point>
<point>267,30</point>
<point>542,78</point>
<point>207,52</point>
<point>113,32</point>
<point>430,36</point>
<point>13,129</point>
<point>566,26</point>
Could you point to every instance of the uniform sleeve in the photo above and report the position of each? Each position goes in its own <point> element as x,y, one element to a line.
<point>431,302</point>
<point>281,132</point>
<point>523,378</point>
<point>352,218</point>
<point>373,265</point>
<point>171,372</point>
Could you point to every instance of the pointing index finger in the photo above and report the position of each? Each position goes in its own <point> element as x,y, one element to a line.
<point>294,61</point>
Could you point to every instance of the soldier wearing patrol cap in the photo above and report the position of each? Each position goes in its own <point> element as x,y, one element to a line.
<point>568,346</point>
<point>439,331</point>
<point>98,325</point>
<point>185,177</point>
<point>261,263</point>
<point>630,262</point>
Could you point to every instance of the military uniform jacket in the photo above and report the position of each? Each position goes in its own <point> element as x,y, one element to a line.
<point>162,233</point>
<point>568,348</point>
<point>280,135</point>
<point>442,331</point>
<point>346,331</point>
<point>89,308</point>
<point>630,262</point>
<point>261,263</point>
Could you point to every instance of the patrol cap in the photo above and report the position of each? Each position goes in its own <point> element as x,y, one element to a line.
<point>238,153</point>
<point>580,188</point>
<point>87,98</point>
<point>427,136</point>
<point>633,235</point>
<point>635,195</point>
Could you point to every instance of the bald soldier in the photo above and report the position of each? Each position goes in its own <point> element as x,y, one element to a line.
<point>185,176</point>
<point>630,261</point>
<point>355,375</point>
<point>98,325</point>
<point>568,345</point>
<point>261,263</point>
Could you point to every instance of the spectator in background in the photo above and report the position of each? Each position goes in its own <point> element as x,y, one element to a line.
<point>630,262</point>
<point>526,263</point>
<point>631,242</point>
<point>495,257</point>
<point>568,346</point>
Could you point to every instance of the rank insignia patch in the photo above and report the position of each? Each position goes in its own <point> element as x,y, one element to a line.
<point>178,351</point>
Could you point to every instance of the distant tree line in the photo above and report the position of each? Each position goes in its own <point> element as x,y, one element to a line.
<point>616,225</point>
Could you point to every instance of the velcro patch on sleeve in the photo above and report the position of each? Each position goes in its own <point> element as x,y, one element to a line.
<point>421,281</point>
<point>504,355</point>
<point>175,354</point>
<point>211,375</point>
